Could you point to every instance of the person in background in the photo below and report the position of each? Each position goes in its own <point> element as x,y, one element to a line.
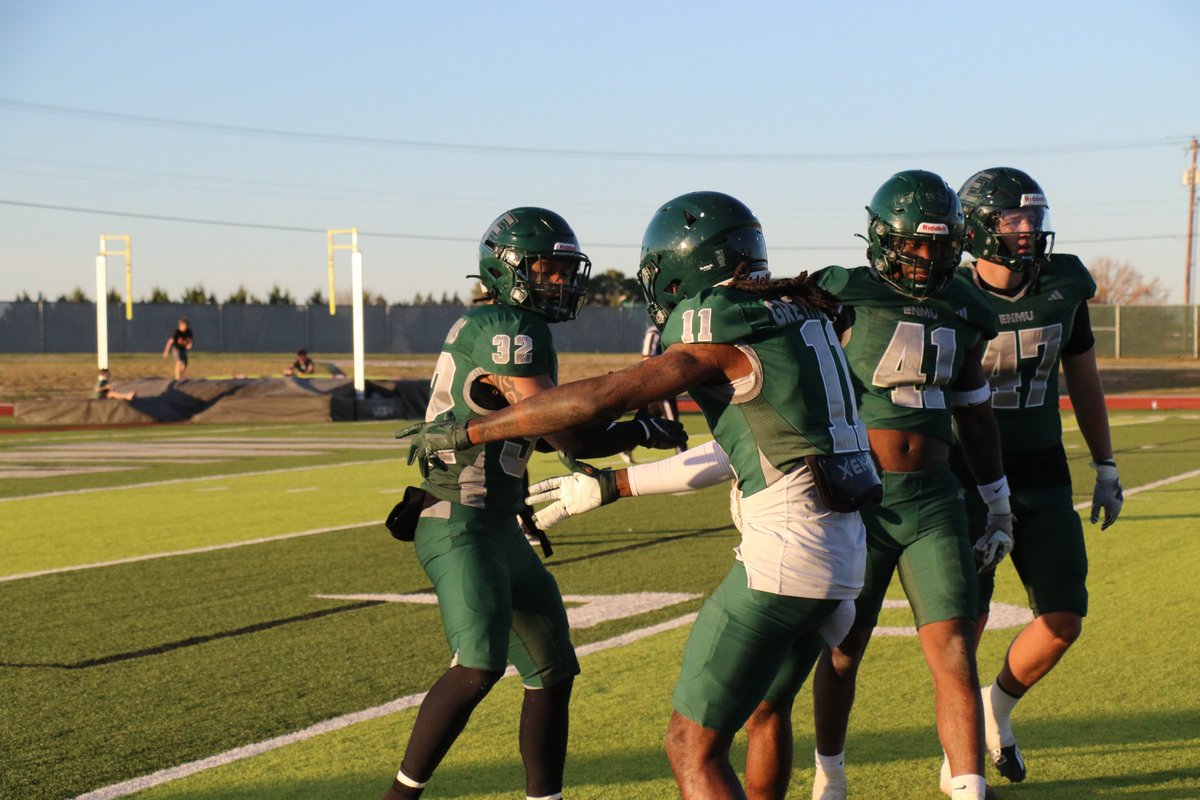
<point>303,365</point>
<point>665,409</point>
<point>180,340</point>
<point>104,390</point>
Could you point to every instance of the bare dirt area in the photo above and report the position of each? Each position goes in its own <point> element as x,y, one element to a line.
<point>29,377</point>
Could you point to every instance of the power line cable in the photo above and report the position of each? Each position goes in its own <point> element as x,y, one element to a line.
<point>461,239</point>
<point>554,152</point>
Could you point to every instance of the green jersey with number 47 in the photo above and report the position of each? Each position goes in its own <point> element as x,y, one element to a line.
<point>1021,363</point>
<point>905,353</point>
<point>487,340</point>
<point>797,401</point>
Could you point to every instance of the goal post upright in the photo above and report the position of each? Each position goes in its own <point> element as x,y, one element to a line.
<point>356,300</point>
<point>102,290</point>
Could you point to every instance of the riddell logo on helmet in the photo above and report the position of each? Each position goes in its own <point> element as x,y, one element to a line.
<point>934,227</point>
<point>1033,200</point>
<point>565,246</point>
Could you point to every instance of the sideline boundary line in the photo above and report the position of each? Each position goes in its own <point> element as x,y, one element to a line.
<point>337,723</point>
<point>172,481</point>
<point>1145,487</point>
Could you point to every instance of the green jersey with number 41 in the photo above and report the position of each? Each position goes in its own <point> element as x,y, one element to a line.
<point>797,401</point>
<point>487,340</point>
<point>906,353</point>
<point>1021,363</point>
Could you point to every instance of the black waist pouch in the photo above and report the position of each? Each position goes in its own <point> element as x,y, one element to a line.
<point>402,522</point>
<point>845,482</point>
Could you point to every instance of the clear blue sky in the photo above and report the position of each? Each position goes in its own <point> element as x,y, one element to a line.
<point>800,109</point>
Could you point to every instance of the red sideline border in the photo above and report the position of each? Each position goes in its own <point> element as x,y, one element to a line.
<point>1161,402</point>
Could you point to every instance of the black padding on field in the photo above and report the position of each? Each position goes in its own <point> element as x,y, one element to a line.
<point>234,400</point>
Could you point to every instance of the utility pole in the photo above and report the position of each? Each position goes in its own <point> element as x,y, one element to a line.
<point>1189,180</point>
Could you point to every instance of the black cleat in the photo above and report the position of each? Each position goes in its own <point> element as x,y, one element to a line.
<point>1009,763</point>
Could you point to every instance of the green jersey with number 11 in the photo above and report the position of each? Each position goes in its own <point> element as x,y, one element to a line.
<point>487,340</point>
<point>906,353</point>
<point>797,401</point>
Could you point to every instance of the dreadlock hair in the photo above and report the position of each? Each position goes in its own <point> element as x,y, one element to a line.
<point>800,289</point>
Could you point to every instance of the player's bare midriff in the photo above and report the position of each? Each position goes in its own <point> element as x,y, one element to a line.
<point>905,451</point>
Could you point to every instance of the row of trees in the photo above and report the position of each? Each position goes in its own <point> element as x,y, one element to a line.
<point>1117,283</point>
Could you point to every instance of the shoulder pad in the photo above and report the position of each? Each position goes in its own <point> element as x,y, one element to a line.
<point>1068,269</point>
<point>970,303</point>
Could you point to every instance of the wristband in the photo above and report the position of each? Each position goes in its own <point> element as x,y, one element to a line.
<point>995,495</point>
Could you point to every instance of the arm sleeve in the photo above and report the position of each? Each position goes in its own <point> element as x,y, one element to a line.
<point>1082,339</point>
<point>697,468</point>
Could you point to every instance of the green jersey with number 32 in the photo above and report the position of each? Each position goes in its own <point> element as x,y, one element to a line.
<point>487,340</point>
<point>1021,363</point>
<point>797,401</point>
<point>905,353</point>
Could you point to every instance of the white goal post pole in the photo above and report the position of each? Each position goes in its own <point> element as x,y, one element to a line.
<point>356,286</point>
<point>101,310</point>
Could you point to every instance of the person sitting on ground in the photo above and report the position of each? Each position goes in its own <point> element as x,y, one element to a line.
<point>303,365</point>
<point>104,389</point>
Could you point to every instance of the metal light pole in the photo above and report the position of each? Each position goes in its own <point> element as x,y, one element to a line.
<point>356,302</point>
<point>102,291</point>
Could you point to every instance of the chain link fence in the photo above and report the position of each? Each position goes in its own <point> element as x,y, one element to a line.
<point>42,327</point>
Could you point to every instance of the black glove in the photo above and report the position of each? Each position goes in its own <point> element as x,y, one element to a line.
<point>660,434</point>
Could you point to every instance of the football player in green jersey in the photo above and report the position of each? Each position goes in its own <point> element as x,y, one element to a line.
<point>1040,301</point>
<point>914,345</point>
<point>498,603</point>
<point>762,360</point>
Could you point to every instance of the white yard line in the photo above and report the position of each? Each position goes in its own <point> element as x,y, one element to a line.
<point>191,551</point>
<point>221,477</point>
<point>1087,504</point>
<point>128,787</point>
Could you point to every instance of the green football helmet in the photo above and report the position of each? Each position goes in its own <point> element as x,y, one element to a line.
<point>915,233</point>
<point>693,242</point>
<point>530,258</point>
<point>1008,218</point>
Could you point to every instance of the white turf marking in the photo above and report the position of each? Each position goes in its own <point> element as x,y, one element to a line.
<point>1087,504</point>
<point>175,481</point>
<point>589,610</point>
<point>1003,615</point>
<point>337,723</point>
<point>299,489</point>
<point>191,551</point>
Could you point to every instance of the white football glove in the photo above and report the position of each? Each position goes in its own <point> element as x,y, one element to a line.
<point>585,489</point>
<point>1108,494</point>
<point>997,540</point>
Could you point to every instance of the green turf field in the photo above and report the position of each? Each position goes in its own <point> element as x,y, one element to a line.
<point>198,604</point>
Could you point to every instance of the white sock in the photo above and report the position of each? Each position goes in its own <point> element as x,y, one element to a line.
<point>407,781</point>
<point>829,781</point>
<point>968,787</point>
<point>997,717</point>
<point>829,764</point>
<point>555,796</point>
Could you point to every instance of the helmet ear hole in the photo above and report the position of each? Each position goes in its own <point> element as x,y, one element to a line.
<point>673,287</point>
<point>689,219</point>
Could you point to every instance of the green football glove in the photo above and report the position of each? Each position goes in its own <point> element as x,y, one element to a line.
<point>444,433</point>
